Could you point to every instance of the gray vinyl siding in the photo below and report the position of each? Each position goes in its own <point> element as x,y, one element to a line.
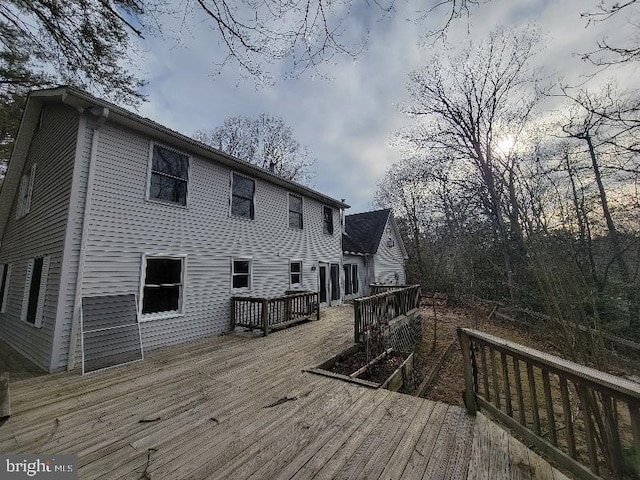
<point>41,232</point>
<point>389,261</point>
<point>124,226</point>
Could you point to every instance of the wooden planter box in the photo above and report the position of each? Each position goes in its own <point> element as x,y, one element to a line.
<point>394,382</point>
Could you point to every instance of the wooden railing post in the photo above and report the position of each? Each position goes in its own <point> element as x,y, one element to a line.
<point>357,313</point>
<point>467,366</point>
<point>265,316</point>
<point>5,401</point>
<point>316,301</point>
<point>233,314</point>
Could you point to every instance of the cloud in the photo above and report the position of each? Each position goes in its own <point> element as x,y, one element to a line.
<point>347,120</point>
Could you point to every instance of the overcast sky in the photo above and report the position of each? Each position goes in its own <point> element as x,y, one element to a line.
<point>348,119</point>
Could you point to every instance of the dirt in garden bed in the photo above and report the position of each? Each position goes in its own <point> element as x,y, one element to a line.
<point>377,373</point>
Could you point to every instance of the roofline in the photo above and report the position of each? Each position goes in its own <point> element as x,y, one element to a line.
<point>82,100</point>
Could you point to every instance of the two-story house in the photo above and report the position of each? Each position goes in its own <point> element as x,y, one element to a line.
<point>99,201</point>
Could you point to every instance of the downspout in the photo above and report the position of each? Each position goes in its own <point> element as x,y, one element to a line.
<point>100,117</point>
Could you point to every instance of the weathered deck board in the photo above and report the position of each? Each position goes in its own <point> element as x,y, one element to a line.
<point>211,409</point>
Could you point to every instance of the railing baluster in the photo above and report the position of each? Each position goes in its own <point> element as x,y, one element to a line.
<point>534,399</point>
<point>568,418</point>
<point>616,460</point>
<point>588,424</point>
<point>507,388</point>
<point>519,395</point>
<point>634,414</point>
<point>485,372</point>
<point>551,421</point>
<point>494,377</point>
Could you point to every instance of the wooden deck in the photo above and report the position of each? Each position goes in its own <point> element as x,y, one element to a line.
<point>241,407</point>
<point>16,365</point>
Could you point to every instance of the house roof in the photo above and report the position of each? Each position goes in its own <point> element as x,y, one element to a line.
<point>363,231</point>
<point>112,113</point>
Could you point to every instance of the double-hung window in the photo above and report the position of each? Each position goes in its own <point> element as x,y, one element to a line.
<point>163,285</point>
<point>169,176</point>
<point>350,279</point>
<point>327,220</point>
<point>25,192</point>
<point>295,273</point>
<point>295,211</point>
<point>243,190</point>
<point>35,287</point>
<point>5,275</point>
<point>241,273</point>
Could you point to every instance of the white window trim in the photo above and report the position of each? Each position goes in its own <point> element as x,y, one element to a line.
<point>24,206</point>
<point>41,292</point>
<point>149,171</point>
<point>243,289</point>
<point>289,195</point>
<point>146,317</point>
<point>295,260</point>
<point>7,284</point>
<point>253,201</point>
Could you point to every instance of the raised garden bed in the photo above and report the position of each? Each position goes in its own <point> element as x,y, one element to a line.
<point>388,370</point>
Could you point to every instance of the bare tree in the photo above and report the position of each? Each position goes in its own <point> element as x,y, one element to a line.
<point>606,52</point>
<point>266,141</point>
<point>466,107</point>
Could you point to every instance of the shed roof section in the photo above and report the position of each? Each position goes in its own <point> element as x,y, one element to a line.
<point>363,231</point>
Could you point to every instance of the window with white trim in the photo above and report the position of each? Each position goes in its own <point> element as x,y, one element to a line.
<point>169,176</point>
<point>327,220</point>
<point>35,287</point>
<point>5,276</point>
<point>163,285</point>
<point>295,273</point>
<point>295,211</point>
<point>243,191</point>
<point>25,192</point>
<point>241,273</point>
<point>351,278</point>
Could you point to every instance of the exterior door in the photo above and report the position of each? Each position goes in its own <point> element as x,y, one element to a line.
<point>323,281</point>
<point>335,282</point>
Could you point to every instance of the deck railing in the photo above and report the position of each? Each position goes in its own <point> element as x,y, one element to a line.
<point>269,313</point>
<point>586,420</point>
<point>376,288</point>
<point>381,308</point>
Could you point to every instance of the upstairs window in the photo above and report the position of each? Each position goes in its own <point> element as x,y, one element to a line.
<point>163,289</point>
<point>243,190</point>
<point>350,279</point>
<point>295,273</point>
<point>5,275</point>
<point>25,192</point>
<point>169,176</point>
<point>34,290</point>
<point>327,220</point>
<point>295,211</point>
<point>241,273</point>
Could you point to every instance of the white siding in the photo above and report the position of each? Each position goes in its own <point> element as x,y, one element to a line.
<point>41,232</point>
<point>124,226</point>
<point>389,261</point>
<point>364,276</point>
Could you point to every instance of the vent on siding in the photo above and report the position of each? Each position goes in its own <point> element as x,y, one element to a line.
<point>110,332</point>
